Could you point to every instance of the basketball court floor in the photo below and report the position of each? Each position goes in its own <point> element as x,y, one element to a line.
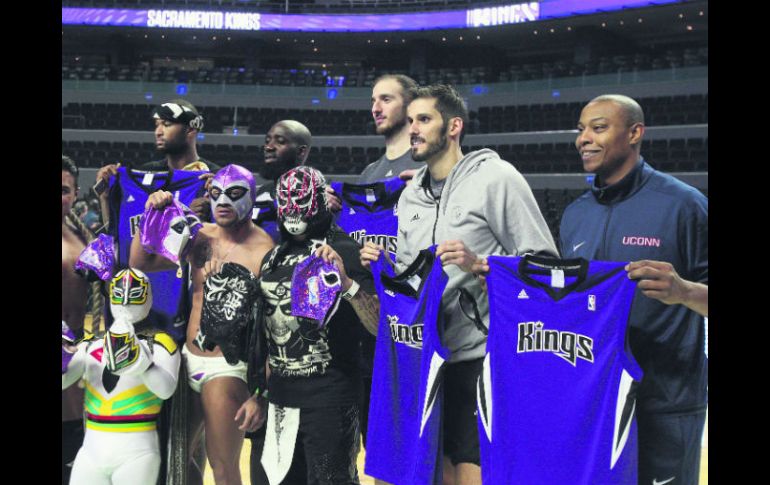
<point>208,478</point>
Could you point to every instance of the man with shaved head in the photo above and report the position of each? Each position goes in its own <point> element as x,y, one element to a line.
<point>638,214</point>
<point>287,145</point>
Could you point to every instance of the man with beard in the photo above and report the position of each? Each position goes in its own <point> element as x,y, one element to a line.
<point>228,409</point>
<point>390,96</point>
<point>177,124</point>
<point>474,204</point>
<point>287,145</point>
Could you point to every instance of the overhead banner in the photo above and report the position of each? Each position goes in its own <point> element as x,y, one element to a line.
<point>253,21</point>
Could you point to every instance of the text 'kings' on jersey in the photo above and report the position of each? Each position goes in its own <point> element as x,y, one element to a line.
<point>404,437</point>
<point>370,211</point>
<point>556,398</point>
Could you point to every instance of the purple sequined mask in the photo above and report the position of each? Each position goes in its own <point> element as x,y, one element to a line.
<point>233,185</point>
<point>98,256</point>
<point>169,231</point>
<point>315,288</point>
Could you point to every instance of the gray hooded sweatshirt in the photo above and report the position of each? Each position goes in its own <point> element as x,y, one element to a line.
<point>487,204</point>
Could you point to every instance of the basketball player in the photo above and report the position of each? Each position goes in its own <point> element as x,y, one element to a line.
<point>390,96</point>
<point>633,212</point>
<point>468,205</point>
<point>177,124</point>
<point>287,145</point>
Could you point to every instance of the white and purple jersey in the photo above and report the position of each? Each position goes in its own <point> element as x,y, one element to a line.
<point>129,191</point>
<point>403,445</point>
<point>556,397</point>
<point>370,211</point>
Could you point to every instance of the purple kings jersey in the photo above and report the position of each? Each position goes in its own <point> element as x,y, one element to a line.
<point>403,445</point>
<point>370,211</point>
<point>556,397</point>
<point>129,191</point>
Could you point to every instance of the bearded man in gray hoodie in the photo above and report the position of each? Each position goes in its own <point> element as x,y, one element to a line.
<point>472,206</point>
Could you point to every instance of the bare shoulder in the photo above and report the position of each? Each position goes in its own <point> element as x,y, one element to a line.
<point>260,244</point>
<point>208,230</point>
<point>259,237</point>
<point>201,250</point>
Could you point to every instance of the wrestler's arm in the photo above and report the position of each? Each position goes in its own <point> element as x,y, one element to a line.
<point>366,305</point>
<point>144,261</point>
<point>76,367</point>
<point>161,376</point>
<point>138,257</point>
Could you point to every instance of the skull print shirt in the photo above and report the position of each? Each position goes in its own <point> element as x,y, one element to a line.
<point>311,364</point>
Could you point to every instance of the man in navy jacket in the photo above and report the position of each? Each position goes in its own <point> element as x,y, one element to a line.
<point>635,213</point>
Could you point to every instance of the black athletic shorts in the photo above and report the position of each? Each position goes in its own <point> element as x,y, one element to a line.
<point>297,474</point>
<point>331,441</point>
<point>72,433</point>
<point>325,452</point>
<point>461,436</point>
<point>670,447</point>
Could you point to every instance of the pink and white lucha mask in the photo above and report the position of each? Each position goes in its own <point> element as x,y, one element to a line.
<point>226,190</point>
<point>301,197</point>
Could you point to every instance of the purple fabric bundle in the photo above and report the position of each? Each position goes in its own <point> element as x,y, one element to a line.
<point>67,336</point>
<point>98,256</point>
<point>315,288</point>
<point>169,231</point>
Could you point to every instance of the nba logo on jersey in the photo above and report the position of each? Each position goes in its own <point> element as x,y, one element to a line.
<point>312,290</point>
<point>558,348</point>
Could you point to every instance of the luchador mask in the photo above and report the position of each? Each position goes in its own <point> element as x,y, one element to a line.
<point>235,186</point>
<point>130,295</point>
<point>301,198</point>
<point>169,231</point>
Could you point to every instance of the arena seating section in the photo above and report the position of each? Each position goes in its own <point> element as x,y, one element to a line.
<point>669,58</point>
<point>659,111</point>
<point>675,155</point>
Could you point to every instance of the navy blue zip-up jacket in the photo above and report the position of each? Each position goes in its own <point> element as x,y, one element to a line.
<point>651,215</point>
